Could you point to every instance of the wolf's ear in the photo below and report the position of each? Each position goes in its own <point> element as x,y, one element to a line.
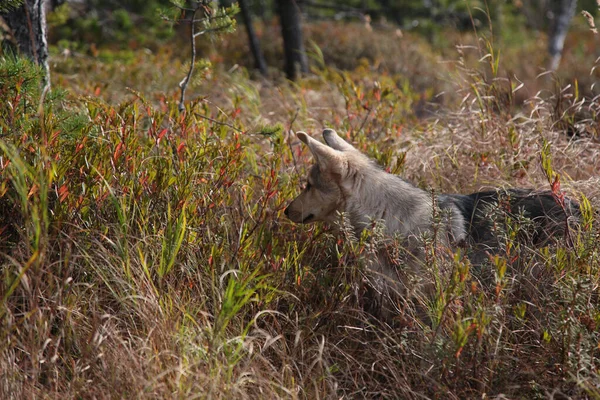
<point>328,159</point>
<point>335,142</point>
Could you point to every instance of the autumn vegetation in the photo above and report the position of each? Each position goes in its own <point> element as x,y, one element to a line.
<point>145,253</point>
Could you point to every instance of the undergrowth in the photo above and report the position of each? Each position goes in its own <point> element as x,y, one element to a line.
<point>145,251</point>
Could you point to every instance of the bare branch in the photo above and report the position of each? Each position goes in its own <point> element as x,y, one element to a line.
<point>182,8</point>
<point>218,122</point>
<point>183,84</point>
<point>202,6</point>
<point>210,18</point>
<point>202,32</point>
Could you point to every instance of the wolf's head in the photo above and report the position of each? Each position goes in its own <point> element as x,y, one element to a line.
<point>324,193</point>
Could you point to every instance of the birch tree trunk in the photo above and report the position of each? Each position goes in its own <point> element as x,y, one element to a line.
<point>564,10</point>
<point>28,26</point>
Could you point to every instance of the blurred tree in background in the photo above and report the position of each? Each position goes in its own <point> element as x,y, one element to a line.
<point>259,58</point>
<point>86,25</point>
<point>291,29</point>
<point>26,21</point>
<point>127,24</point>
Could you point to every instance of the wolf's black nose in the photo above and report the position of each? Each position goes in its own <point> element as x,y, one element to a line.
<point>286,211</point>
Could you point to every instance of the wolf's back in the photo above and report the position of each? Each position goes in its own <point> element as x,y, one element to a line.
<point>485,213</point>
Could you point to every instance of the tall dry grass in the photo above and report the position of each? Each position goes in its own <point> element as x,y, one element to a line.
<point>145,253</point>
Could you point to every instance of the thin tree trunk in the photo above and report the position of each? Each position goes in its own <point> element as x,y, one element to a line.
<point>293,46</point>
<point>259,59</point>
<point>28,26</point>
<point>563,13</point>
<point>262,13</point>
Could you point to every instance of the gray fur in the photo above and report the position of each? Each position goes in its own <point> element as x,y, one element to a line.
<point>346,181</point>
<point>343,180</point>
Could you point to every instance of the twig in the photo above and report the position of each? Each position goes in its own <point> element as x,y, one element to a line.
<point>568,237</point>
<point>41,115</point>
<point>437,329</point>
<point>364,122</point>
<point>182,8</point>
<point>290,142</point>
<point>219,122</point>
<point>188,21</point>
<point>183,84</point>
<point>208,31</point>
<point>200,5</point>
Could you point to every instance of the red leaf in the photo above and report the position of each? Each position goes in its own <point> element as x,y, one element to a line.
<point>559,196</point>
<point>377,94</point>
<point>556,185</point>
<point>180,150</point>
<point>80,145</point>
<point>63,192</point>
<point>161,135</point>
<point>118,151</point>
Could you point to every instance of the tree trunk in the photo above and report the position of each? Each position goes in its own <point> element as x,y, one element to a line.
<point>563,13</point>
<point>28,26</point>
<point>259,59</point>
<point>291,30</point>
<point>262,11</point>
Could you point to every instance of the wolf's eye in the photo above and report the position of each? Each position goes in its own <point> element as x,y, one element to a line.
<point>307,187</point>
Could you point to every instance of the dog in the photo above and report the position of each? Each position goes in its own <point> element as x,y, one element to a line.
<point>344,183</point>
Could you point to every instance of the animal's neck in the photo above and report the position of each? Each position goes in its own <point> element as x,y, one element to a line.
<point>381,196</point>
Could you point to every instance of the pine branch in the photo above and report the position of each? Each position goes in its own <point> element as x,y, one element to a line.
<point>9,5</point>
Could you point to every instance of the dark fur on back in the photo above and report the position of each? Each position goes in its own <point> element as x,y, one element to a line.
<point>483,211</point>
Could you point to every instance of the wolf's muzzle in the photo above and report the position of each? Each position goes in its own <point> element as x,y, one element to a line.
<point>297,217</point>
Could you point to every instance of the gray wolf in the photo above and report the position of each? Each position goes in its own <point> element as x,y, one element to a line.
<point>343,181</point>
